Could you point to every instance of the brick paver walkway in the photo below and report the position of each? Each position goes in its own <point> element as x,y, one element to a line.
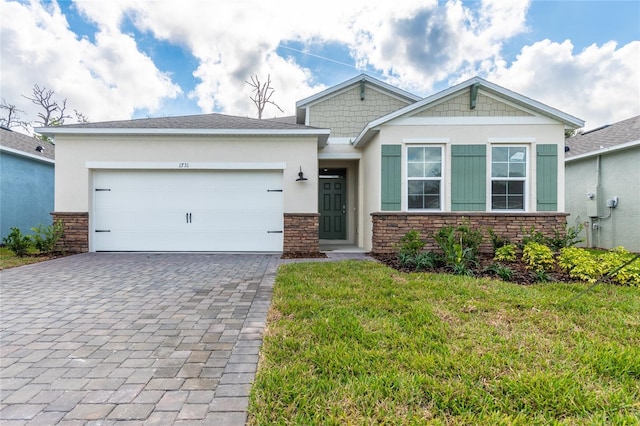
<point>132,338</point>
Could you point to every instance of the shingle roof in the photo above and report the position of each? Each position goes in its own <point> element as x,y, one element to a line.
<point>604,137</point>
<point>201,121</point>
<point>26,144</point>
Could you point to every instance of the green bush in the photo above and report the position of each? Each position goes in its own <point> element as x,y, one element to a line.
<point>532,236</point>
<point>460,246</point>
<point>497,241</point>
<point>612,262</point>
<point>580,264</point>
<point>506,253</point>
<point>17,242</point>
<point>538,257</point>
<point>587,266</point>
<point>410,244</point>
<point>45,237</point>
<point>504,272</point>
<point>569,238</point>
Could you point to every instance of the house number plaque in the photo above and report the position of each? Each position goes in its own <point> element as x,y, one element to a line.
<point>183,165</point>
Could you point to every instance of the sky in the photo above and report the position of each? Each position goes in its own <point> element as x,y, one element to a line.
<point>123,59</point>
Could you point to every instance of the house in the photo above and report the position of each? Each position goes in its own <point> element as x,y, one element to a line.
<point>603,184</point>
<point>360,164</point>
<point>26,182</point>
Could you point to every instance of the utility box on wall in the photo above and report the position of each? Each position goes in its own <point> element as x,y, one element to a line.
<point>592,202</point>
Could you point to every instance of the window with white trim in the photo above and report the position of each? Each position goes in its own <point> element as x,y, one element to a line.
<point>508,177</point>
<point>424,177</point>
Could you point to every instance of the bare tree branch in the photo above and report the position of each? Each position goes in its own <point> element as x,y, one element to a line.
<point>262,94</point>
<point>12,119</point>
<point>53,112</point>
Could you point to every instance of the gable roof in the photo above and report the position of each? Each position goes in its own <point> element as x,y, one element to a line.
<point>402,94</point>
<point>620,135</point>
<point>202,124</point>
<point>518,99</point>
<point>25,146</point>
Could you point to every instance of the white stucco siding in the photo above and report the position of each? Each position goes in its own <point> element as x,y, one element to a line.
<point>618,176</point>
<point>75,154</point>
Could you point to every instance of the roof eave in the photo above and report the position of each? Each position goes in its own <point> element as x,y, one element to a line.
<point>615,148</point>
<point>329,91</point>
<point>321,134</point>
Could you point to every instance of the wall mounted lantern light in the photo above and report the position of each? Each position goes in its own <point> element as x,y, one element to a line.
<point>301,177</point>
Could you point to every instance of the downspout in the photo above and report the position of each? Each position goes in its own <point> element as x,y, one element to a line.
<point>595,225</point>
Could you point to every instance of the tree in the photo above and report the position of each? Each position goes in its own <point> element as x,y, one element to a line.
<point>262,94</point>
<point>53,113</point>
<point>12,112</point>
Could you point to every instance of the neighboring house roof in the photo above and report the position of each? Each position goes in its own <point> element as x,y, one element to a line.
<point>621,135</point>
<point>202,124</point>
<point>402,94</point>
<point>26,146</point>
<point>477,82</point>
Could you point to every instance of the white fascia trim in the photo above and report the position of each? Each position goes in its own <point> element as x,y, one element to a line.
<point>339,156</point>
<point>425,140</point>
<point>511,140</point>
<point>339,141</point>
<point>339,87</point>
<point>471,121</point>
<point>602,151</point>
<point>139,165</point>
<point>27,155</point>
<point>226,132</point>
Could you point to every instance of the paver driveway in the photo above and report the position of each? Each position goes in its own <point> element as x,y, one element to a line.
<point>139,338</point>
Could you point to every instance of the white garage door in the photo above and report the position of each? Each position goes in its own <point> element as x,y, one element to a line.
<point>195,210</point>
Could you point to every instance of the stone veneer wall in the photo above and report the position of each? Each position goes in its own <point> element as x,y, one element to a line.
<point>301,232</point>
<point>75,237</point>
<point>388,228</point>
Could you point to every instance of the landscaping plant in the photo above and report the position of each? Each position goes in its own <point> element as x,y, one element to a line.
<point>17,242</point>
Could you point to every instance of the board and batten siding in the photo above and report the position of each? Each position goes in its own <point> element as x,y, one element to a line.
<point>547,177</point>
<point>391,172</point>
<point>468,178</point>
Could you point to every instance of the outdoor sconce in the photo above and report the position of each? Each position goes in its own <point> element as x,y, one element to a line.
<point>301,177</point>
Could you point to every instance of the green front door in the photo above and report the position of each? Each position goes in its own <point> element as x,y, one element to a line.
<point>332,203</point>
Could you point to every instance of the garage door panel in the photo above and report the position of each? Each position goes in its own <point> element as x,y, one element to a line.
<point>188,211</point>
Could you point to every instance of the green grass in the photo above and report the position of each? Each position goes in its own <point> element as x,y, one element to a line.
<point>10,260</point>
<point>360,343</point>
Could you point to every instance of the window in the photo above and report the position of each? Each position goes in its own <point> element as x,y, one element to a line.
<point>424,177</point>
<point>508,177</point>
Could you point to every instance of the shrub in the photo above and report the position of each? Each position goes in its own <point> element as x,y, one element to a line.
<point>506,253</point>
<point>537,257</point>
<point>17,242</point>
<point>532,236</point>
<point>460,246</point>
<point>580,264</point>
<point>569,238</point>
<point>410,244</point>
<point>497,241</point>
<point>45,237</point>
<point>504,272</point>
<point>613,261</point>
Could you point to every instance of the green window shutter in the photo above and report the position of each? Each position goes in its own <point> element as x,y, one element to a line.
<point>391,177</point>
<point>547,177</point>
<point>468,177</point>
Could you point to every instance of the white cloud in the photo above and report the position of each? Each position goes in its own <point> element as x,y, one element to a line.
<point>600,85</point>
<point>415,44</point>
<point>107,79</point>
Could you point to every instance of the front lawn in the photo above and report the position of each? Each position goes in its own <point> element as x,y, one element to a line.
<point>8,259</point>
<point>357,342</point>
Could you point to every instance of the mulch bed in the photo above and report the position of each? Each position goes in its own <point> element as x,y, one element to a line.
<point>521,275</point>
<point>303,255</point>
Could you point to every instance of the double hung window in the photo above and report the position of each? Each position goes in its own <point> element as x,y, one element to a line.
<point>508,177</point>
<point>424,177</point>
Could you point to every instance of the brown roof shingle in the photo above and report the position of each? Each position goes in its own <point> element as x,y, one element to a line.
<point>604,137</point>
<point>27,144</point>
